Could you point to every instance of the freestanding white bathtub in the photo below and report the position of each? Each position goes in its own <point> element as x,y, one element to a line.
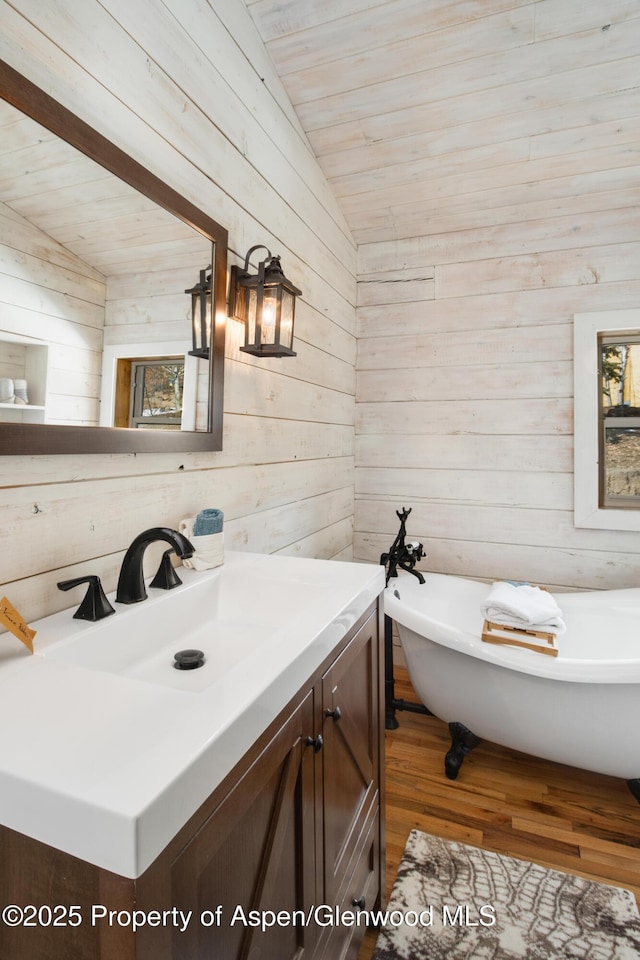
<point>580,708</point>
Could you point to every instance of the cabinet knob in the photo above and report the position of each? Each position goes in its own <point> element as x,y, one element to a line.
<point>316,742</point>
<point>336,714</point>
<point>359,902</point>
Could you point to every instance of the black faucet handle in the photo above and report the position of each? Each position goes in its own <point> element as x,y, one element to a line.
<point>166,578</point>
<point>95,605</point>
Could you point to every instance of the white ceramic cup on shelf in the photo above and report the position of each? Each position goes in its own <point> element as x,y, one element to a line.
<point>7,390</point>
<point>20,389</point>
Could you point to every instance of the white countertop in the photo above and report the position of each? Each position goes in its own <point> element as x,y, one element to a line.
<point>108,766</point>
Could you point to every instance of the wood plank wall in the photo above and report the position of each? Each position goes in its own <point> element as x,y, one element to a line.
<point>465,392</point>
<point>180,85</point>
<point>509,204</point>
<point>486,159</point>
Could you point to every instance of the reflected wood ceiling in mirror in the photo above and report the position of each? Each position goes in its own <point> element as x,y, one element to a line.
<point>84,207</point>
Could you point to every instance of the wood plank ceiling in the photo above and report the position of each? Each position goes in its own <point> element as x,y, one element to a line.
<point>430,116</point>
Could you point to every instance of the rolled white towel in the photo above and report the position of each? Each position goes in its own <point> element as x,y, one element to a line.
<point>523,606</point>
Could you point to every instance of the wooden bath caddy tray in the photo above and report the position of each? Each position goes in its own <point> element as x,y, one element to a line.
<point>538,640</point>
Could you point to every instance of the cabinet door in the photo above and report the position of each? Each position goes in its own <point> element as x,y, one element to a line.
<point>350,754</point>
<point>255,853</point>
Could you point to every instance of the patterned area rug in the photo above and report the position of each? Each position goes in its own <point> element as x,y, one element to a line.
<point>455,902</point>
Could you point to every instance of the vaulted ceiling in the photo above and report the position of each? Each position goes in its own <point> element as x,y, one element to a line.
<point>431,116</point>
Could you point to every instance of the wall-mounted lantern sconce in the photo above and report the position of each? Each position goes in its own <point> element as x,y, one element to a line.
<point>201,315</point>
<point>265,302</point>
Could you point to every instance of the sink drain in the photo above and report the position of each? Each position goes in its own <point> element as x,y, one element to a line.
<point>188,659</point>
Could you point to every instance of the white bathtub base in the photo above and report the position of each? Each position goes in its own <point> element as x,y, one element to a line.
<point>570,723</point>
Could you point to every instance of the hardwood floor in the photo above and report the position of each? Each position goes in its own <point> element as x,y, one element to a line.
<point>509,802</point>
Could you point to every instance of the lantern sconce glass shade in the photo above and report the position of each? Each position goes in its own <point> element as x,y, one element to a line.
<point>265,302</point>
<point>201,313</point>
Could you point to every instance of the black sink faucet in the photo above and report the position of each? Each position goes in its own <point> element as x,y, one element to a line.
<point>131,588</point>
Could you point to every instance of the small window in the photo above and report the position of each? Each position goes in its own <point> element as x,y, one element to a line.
<point>619,390</point>
<point>149,393</point>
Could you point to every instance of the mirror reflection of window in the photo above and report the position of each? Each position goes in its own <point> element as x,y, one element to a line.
<point>149,393</point>
<point>619,376</point>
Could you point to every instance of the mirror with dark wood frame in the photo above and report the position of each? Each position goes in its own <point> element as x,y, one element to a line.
<point>22,438</point>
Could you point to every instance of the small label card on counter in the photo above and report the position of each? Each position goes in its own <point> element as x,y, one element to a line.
<point>13,621</point>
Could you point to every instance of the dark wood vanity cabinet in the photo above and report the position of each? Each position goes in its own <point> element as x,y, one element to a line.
<point>351,788</point>
<point>252,858</point>
<point>282,857</point>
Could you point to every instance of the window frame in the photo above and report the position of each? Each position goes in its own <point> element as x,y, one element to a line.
<point>587,330</point>
<point>613,501</point>
<point>137,418</point>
